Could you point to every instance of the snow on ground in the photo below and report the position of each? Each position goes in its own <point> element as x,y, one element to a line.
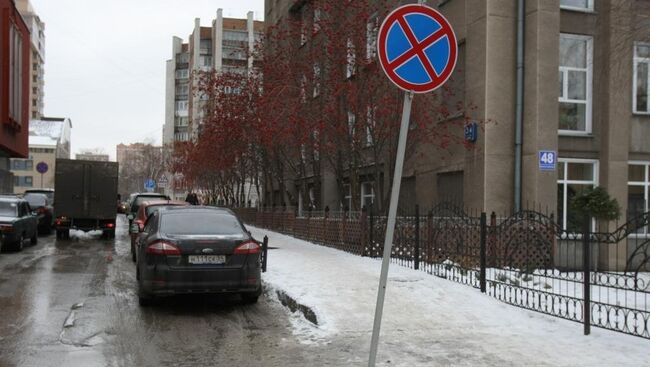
<point>427,320</point>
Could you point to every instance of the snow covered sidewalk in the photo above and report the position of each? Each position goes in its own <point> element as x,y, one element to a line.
<point>427,320</point>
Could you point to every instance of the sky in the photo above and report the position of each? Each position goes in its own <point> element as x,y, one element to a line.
<point>105,63</point>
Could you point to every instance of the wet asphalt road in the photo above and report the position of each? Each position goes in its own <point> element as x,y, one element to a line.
<point>73,303</point>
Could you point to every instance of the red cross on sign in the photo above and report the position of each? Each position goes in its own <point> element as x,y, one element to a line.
<point>417,48</point>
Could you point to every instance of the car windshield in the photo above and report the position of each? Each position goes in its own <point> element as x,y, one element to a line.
<point>200,223</point>
<point>36,200</point>
<point>48,194</point>
<point>7,209</point>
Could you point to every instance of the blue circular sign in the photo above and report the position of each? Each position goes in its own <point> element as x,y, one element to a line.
<point>42,167</point>
<point>150,184</point>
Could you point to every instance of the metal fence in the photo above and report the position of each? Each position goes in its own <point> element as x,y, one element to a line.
<point>598,277</point>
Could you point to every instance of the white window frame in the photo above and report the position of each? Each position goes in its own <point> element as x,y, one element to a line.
<point>351,59</point>
<point>636,62</point>
<point>348,196</point>
<point>588,9</point>
<point>317,80</point>
<point>372,35</point>
<point>646,191</point>
<point>565,181</point>
<point>365,195</point>
<point>565,86</point>
<point>352,124</point>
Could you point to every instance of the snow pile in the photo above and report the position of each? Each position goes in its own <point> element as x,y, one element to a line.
<point>427,320</point>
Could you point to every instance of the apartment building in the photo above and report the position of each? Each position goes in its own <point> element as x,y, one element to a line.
<point>584,112</point>
<point>14,89</point>
<point>49,139</point>
<point>37,58</point>
<point>225,46</point>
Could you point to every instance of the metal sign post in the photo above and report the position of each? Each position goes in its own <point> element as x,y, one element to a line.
<point>417,50</point>
<point>390,226</point>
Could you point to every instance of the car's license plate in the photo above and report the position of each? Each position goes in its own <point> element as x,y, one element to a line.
<point>206,259</point>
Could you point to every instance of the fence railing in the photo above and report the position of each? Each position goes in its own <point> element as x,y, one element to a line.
<point>597,277</point>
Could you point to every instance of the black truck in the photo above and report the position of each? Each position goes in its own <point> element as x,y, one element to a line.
<point>85,197</point>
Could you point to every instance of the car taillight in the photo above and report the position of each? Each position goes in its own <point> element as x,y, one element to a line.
<point>110,225</point>
<point>249,247</point>
<point>163,248</point>
<point>6,228</point>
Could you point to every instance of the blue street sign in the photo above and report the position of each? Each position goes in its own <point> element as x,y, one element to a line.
<point>471,132</point>
<point>547,160</point>
<point>149,184</point>
<point>417,48</point>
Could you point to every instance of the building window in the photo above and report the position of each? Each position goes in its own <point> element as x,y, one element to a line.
<point>317,20</point>
<point>352,124</point>
<point>22,164</point>
<point>638,191</point>
<point>23,181</point>
<point>641,80</point>
<point>182,74</point>
<point>317,75</point>
<point>15,74</point>
<point>367,194</point>
<point>574,177</point>
<point>371,123</point>
<point>350,66</point>
<point>372,28</point>
<point>303,28</point>
<point>582,5</point>
<point>575,84</point>
<point>347,198</point>
<point>182,90</point>
<point>181,105</point>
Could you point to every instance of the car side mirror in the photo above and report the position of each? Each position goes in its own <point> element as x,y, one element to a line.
<point>129,217</point>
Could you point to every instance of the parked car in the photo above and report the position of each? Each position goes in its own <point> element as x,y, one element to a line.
<point>47,192</point>
<point>145,210</point>
<point>184,250</point>
<point>137,198</point>
<point>17,223</point>
<point>44,211</point>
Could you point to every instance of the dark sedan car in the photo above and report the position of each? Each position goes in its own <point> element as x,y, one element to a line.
<point>17,224</point>
<point>197,250</point>
<point>44,211</point>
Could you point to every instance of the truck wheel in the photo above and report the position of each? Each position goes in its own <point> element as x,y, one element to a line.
<point>63,234</point>
<point>108,234</point>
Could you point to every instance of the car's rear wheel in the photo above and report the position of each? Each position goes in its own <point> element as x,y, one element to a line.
<point>144,298</point>
<point>20,244</point>
<point>34,240</point>
<point>132,252</point>
<point>252,297</point>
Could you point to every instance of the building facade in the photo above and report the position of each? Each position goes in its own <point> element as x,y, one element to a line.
<point>583,99</point>
<point>49,139</point>
<point>92,157</point>
<point>37,58</point>
<point>14,90</point>
<point>226,46</point>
